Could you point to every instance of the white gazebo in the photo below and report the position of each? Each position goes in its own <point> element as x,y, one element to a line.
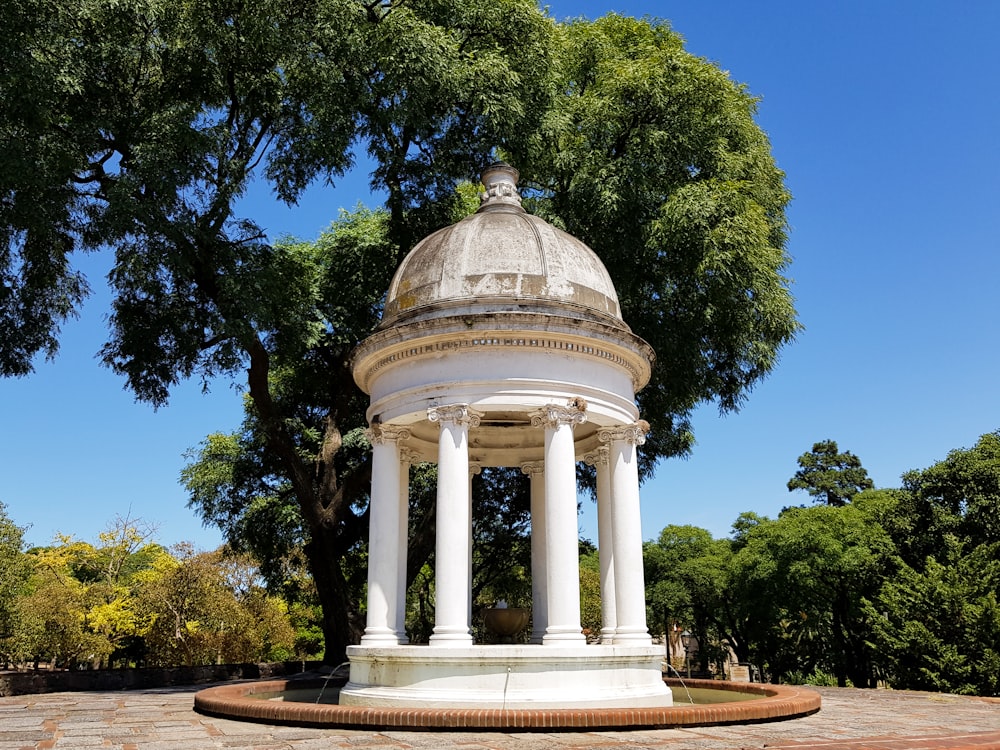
<point>502,344</point>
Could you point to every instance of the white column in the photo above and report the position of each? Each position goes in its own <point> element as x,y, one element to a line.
<point>383,536</point>
<point>605,544</point>
<point>407,458</point>
<point>539,589</point>
<point>626,525</point>
<point>562,544</point>
<point>474,470</point>
<point>454,523</point>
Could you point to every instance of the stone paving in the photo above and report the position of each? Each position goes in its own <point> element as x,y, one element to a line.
<point>163,719</point>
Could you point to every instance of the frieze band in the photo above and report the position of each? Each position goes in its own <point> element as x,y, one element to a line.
<point>532,342</point>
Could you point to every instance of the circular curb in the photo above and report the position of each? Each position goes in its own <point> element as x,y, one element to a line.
<point>777,702</point>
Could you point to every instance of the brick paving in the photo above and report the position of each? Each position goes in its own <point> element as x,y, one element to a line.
<point>164,719</point>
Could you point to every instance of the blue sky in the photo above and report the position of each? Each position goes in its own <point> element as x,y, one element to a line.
<point>884,117</point>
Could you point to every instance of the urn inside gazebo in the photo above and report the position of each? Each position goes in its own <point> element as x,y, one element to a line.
<point>502,344</point>
<point>505,623</point>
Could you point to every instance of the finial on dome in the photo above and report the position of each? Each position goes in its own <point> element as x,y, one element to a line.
<point>500,181</point>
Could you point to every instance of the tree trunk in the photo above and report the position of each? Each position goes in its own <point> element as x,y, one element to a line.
<point>341,620</point>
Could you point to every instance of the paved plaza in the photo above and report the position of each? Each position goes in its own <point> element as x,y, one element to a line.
<point>163,719</point>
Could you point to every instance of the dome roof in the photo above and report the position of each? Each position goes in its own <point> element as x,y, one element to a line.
<point>501,259</point>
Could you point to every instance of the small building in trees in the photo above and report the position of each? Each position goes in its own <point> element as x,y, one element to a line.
<point>502,344</point>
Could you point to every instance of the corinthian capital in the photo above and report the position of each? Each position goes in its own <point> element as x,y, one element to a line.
<point>554,415</point>
<point>379,434</point>
<point>634,433</point>
<point>459,414</point>
<point>407,456</point>
<point>532,467</point>
<point>597,457</point>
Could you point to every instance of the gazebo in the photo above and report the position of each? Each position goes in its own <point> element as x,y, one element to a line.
<point>502,344</point>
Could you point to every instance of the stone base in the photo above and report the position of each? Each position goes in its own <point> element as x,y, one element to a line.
<point>520,676</point>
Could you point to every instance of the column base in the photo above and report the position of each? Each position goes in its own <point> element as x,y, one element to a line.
<point>450,637</point>
<point>632,636</point>
<point>375,637</point>
<point>556,636</point>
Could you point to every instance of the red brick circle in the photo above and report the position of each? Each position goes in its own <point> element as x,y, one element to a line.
<point>776,702</point>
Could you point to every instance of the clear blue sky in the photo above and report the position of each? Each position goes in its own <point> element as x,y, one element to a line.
<point>884,117</point>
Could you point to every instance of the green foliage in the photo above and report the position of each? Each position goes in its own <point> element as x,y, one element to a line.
<point>15,568</point>
<point>937,621</point>
<point>501,538</point>
<point>652,157</point>
<point>830,476</point>
<point>420,606</point>
<point>129,601</point>
<point>81,605</point>
<point>590,594</point>
<point>818,678</point>
<point>811,571</point>
<point>900,585</point>
<point>687,577</point>
<point>147,120</point>
<point>958,496</point>
<point>939,628</point>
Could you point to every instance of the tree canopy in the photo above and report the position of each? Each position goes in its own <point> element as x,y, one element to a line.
<point>652,157</point>
<point>134,127</point>
<point>14,570</point>
<point>899,585</point>
<point>829,475</point>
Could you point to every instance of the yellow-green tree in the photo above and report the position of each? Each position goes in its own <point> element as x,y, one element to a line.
<point>15,567</point>
<point>52,622</point>
<point>198,616</point>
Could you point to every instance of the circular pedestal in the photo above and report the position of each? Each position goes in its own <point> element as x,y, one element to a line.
<point>506,677</point>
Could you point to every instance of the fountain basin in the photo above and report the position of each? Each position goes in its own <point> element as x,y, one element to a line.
<point>263,702</point>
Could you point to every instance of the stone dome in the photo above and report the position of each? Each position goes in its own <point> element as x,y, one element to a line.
<point>501,259</point>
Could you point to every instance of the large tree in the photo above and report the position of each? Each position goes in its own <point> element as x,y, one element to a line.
<point>687,582</point>
<point>652,157</point>
<point>829,475</point>
<point>938,627</point>
<point>147,119</point>
<point>808,576</point>
<point>15,567</point>
<point>144,122</point>
<point>938,620</point>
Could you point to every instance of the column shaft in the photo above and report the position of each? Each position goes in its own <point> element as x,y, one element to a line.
<point>454,523</point>
<point>474,469</point>
<point>383,537</point>
<point>539,583</point>
<point>630,590</point>
<point>406,460</point>
<point>605,545</point>
<point>562,545</point>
